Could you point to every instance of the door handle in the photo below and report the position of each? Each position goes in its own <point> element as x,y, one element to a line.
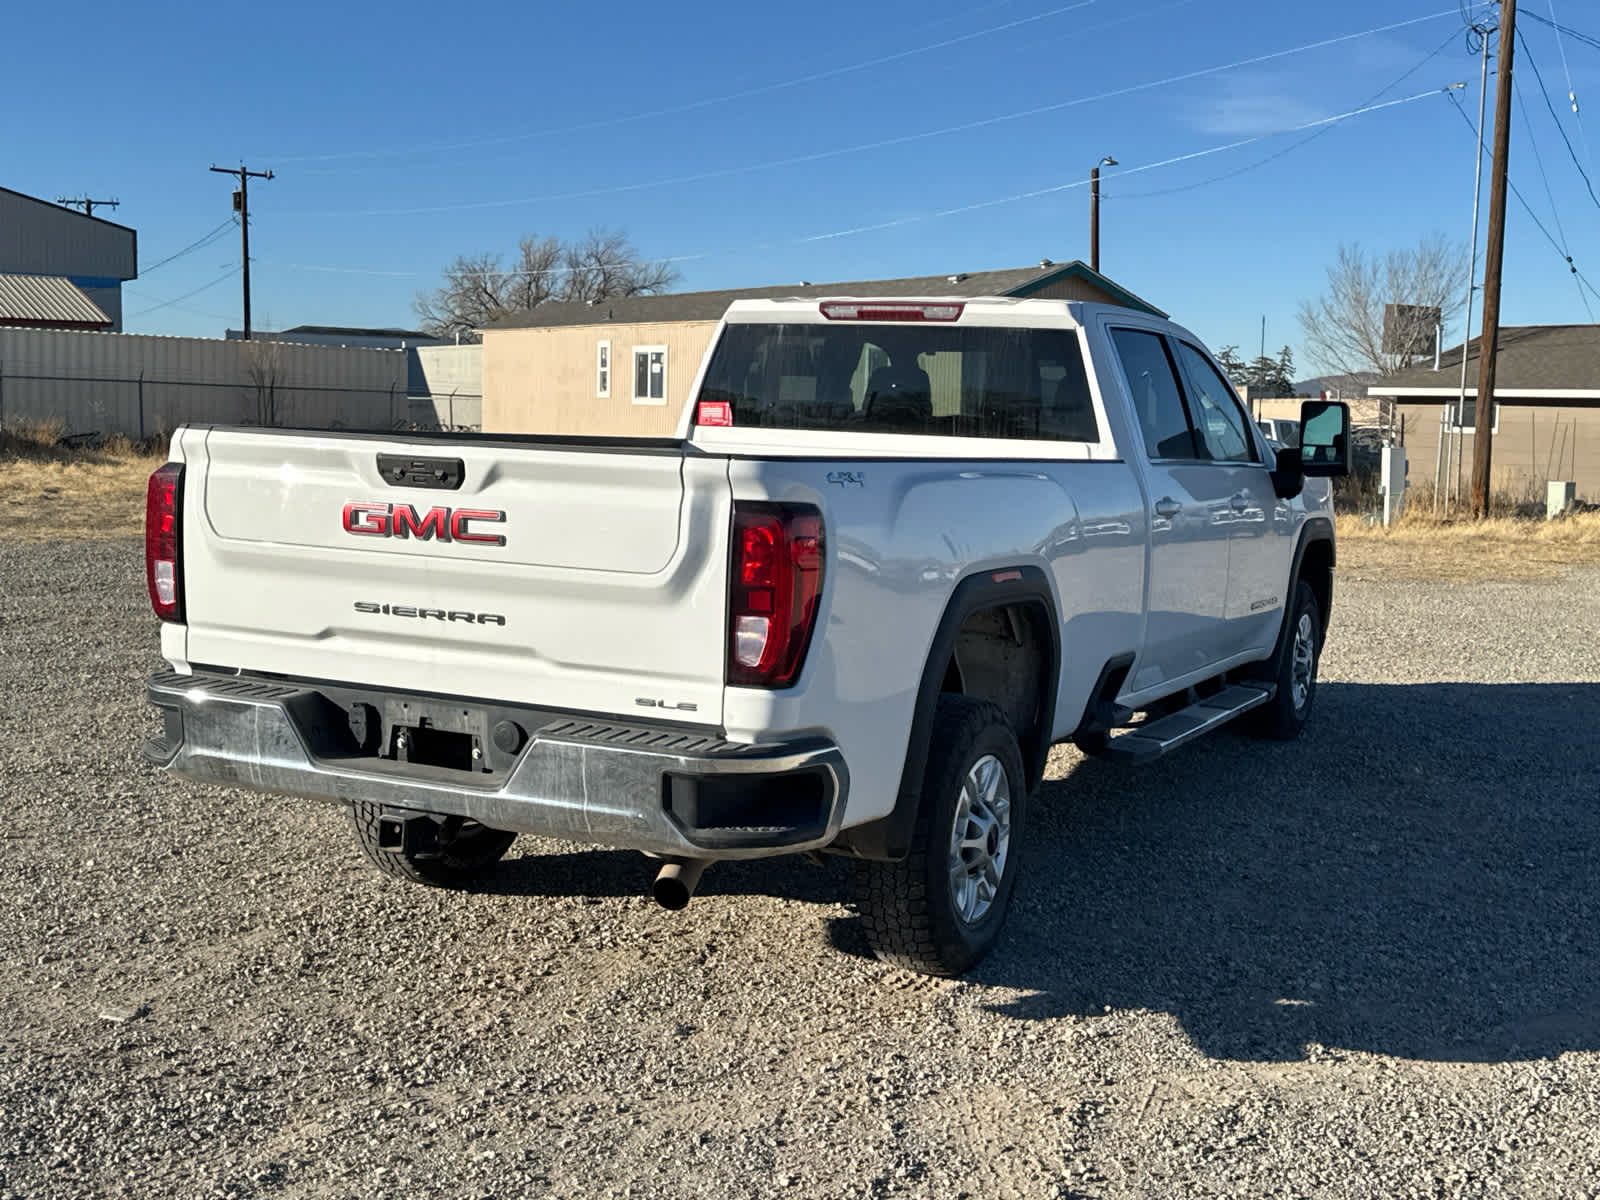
<point>1239,501</point>
<point>1168,507</point>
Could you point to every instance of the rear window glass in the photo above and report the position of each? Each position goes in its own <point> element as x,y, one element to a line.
<point>924,379</point>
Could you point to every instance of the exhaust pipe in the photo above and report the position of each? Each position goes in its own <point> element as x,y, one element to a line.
<point>676,881</point>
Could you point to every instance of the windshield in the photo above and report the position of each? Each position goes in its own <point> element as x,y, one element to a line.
<point>925,379</point>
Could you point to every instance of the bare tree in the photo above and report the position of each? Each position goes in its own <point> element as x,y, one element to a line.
<point>264,370</point>
<point>1343,328</point>
<point>604,264</point>
<point>478,289</point>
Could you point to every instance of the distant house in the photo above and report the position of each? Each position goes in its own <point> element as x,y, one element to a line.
<point>1546,410</point>
<point>624,366</point>
<point>60,269</point>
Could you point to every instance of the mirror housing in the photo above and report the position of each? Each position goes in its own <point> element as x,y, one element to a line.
<point>1288,479</point>
<point>1324,438</point>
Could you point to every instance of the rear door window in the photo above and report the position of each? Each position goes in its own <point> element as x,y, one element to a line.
<point>938,379</point>
<point>1220,421</point>
<point>1157,398</point>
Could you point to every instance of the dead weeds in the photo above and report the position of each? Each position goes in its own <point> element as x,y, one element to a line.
<point>97,492</point>
<point>80,492</point>
<point>1420,546</point>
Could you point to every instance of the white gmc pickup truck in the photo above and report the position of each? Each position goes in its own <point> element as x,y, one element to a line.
<point>899,549</point>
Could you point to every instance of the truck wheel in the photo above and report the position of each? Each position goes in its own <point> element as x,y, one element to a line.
<point>941,908</point>
<point>466,849</point>
<point>1284,716</point>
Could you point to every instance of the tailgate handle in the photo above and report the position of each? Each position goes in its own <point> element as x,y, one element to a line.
<point>402,470</point>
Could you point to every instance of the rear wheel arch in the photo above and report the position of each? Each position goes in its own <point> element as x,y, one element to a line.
<point>1022,594</point>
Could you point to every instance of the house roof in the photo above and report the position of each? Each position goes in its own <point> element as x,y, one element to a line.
<point>357,331</point>
<point>1532,361</point>
<point>710,306</point>
<point>48,301</point>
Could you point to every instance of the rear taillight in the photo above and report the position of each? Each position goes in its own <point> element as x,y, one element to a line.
<point>775,590</point>
<point>163,556</point>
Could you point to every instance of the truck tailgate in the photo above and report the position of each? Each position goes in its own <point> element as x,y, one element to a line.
<point>582,578</point>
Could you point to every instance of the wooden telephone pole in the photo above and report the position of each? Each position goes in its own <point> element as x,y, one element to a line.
<point>86,204</point>
<point>1494,254</point>
<point>241,205</point>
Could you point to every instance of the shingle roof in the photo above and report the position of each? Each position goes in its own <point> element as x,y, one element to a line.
<point>1529,358</point>
<point>710,306</point>
<point>48,300</point>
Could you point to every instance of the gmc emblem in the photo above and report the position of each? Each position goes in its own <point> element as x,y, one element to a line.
<point>376,518</point>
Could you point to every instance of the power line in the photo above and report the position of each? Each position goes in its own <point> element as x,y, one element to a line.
<point>883,143</point>
<point>198,244</point>
<point>1534,217</point>
<point>1188,187</point>
<point>1555,213</point>
<point>1574,34</point>
<point>1077,183</point>
<point>728,97</point>
<point>226,275</point>
<point>1543,91</point>
<point>1165,162</point>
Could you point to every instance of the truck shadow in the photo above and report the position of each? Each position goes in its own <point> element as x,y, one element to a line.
<point>1419,876</point>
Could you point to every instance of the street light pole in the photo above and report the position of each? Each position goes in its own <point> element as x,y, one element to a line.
<point>1094,210</point>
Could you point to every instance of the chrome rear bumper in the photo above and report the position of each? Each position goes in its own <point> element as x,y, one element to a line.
<point>670,790</point>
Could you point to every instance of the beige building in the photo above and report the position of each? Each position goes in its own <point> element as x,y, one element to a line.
<point>1546,412</point>
<point>625,366</point>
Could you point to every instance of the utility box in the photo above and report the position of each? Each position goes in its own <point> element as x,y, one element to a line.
<point>1559,496</point>
<point>1392,482</point>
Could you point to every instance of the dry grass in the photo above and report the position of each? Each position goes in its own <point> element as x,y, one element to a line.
<point>53,491</point>
<point>1420,546</point>
<point>87,492</point>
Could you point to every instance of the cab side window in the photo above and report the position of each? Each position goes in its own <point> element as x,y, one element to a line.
<point>1219,420</point>
<point>1153,384</point>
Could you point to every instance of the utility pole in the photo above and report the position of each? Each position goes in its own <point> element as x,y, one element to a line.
<point>1094,210</point>
<point>1483,421</point>
<point>85,203</point>
<point>241,205</point>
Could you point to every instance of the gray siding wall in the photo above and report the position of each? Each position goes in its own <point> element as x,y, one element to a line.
<point>142,385</point>
<point>38,238</point>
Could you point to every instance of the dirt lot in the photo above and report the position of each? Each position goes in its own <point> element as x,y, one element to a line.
<point>1360,965</point>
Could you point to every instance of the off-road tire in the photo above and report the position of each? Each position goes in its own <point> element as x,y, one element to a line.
<point>907,908</point>
<point>1285,715</point>
<point>468,850</point>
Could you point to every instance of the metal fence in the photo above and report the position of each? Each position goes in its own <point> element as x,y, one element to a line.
<point>143,386</point>
<point>147,405</point>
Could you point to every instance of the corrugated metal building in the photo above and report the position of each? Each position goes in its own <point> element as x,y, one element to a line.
<point>94,255</point>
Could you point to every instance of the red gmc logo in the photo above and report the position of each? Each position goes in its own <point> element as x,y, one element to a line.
<point>378,519</point>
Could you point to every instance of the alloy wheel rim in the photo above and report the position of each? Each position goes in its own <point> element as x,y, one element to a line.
<point>980,839</point>
<point>1305,641</point>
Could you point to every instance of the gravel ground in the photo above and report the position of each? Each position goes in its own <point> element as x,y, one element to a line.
<point>1359,965</point>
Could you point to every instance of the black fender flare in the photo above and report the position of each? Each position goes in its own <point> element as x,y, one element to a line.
<point>889,837</point>
<point>1315,530</point>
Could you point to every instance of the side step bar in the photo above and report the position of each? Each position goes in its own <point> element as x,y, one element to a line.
<point>1151,740</point>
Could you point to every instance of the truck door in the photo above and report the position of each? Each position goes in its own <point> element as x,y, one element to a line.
<point>1260,526</point>
<point>1190,514</point>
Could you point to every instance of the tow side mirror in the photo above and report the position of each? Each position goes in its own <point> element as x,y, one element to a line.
<point>1324,438</point>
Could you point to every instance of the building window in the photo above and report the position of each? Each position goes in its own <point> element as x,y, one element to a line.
<point>1462,416</point>
<point>649,374</point>
<point>602,370</point>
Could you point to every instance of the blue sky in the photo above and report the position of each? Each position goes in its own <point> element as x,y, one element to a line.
<point>737,139</point>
